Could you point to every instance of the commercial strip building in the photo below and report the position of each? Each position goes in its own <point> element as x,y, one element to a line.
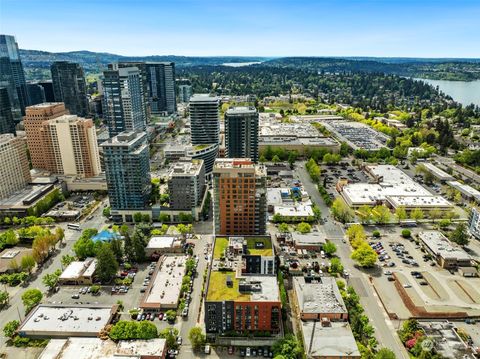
<point>393,188</point>
<point>446,254</point>
<point>163,292</point>
<point>127,169</point>
<point>63,320</point>
<point>14,168</point>
<point>295,136</point>
<point>467,191</point>
<point>69,87</point>
<point>357,135</point>
<point>437,172</point>
<point>96,348</point>
<point>79,272</point>
<point>309,241</point>
<point>319,298</point>
<point>329,340</point>
<point>241,133</point>
<point>239,197</point>
<point>158,245</point>
<point>14,254</point>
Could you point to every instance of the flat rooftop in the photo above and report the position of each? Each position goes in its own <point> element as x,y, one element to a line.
<point>260,246</point>
<point>465,189</point>
<point>10,254</point>
<point>297,210</point>
<point>203,98</point>
<point>218,290</point>
<point>161,242</point>
<point>241,110</point>
<point>437,172</point>
<point>334,341</point>
<point>96,348</point>
<point>164,289</point>
<point>440,245</point>
<point>79,268</point>
<point>392,183</point>
<point>30,193</point>
<point>309,238</point>
<point>66,320</point>
<point>320,296</point>
<point>357,134</point>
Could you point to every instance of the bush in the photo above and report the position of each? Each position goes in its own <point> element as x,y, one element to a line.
<point>376,234</point>
<point>406,233</point>
<point>10,328</point>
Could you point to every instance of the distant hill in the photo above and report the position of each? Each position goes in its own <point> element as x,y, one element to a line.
<point>37,63</point>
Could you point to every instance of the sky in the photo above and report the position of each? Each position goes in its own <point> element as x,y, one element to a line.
<point>385,28</point>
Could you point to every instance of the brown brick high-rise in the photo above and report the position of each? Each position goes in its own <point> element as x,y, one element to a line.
<point>39,144</point>
<point>240,203</point>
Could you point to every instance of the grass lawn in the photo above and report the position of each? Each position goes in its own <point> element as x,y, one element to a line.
<point>266,251</point>
<point>220,244</point>
<point>218,289</point>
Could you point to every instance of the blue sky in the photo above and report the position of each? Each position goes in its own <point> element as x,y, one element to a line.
<point>408,28</point>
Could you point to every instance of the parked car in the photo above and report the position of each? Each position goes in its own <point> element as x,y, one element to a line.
<point>179,340</point>
<point>75,296</point>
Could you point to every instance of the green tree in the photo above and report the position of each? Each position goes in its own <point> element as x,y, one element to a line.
<point>117,249</point>
<point>106,211</point>
<point>341,211</point>
<point>10,328</point>
<point>4,298</point>
<point>283,227</point>
<point>417,214</point>
<point>170,336</point>
<point>304,227</point>
<point>67,259</point>
<point>364,255</point>
<point>385,353</point>
<point>287,347</point>
<point>381,214</point>
<point>406,233</point>
<point>276,159</point>
<point>127,330</point>
<point>50,280</point>
<point>365,213</point>
<point>460,235</point>
<point>329,248</point>
<point>336,266</point>
<point>196,337</point>
<point>171,315</point>
<point>444,223</point>
<point>30,298</point>
<point>356,231</point>
<point>400,214</point>
<point>107,264</point>
<point>59,234</point>
<point>28,263</point>
<point>137,217</point>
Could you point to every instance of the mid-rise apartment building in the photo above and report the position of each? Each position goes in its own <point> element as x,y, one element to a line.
<point>241,133</point>
<point>474,223</point>
<point>240,203</point>
<point>14,169</point>
<point>186,185</point>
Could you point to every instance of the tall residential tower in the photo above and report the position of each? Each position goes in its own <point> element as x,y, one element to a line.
<point>123,100</point>
<point>69,87</point>
<point>241,133</point>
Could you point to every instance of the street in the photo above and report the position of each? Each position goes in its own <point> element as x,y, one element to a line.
<point>384,328</point>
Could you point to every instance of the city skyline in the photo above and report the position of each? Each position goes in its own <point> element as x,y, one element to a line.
<point>285,28</point>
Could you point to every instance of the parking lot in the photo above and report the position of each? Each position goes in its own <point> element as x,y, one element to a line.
<point>330,175</point>
<point>427,285</point>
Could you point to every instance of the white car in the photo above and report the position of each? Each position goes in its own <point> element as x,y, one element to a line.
<point>407,286</point>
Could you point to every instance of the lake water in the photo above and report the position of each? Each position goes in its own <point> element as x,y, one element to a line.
<point>461,91</point>
<point>240,64</point>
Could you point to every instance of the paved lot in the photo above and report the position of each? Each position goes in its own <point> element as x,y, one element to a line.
<point>444,291</point>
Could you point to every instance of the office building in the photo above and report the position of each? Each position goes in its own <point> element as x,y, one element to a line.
<point>241,133</point>
<point>123,100</point>
<point>184,92</point>
<point>240,200</point>
<point>12,76</point>
<point>127,169</point>
<point>48,90</point>
<point>7,123</point>
<point>205,119</point>
<point>161,87</point>
<point>69,87</point>
<point>445,253</point>
<point>38,144</point>
<point>186,185</point>
<point>14,169</point>
<point>36,93</point>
